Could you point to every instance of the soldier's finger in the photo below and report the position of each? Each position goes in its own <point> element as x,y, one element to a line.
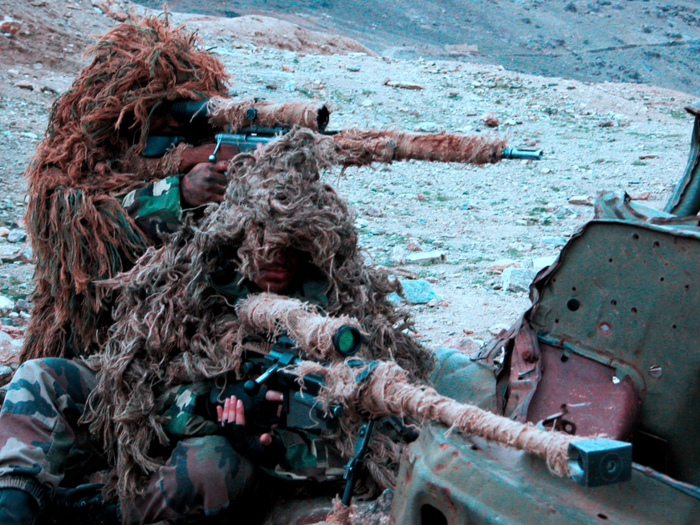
<point>274,395</point>
<point>230,410</point>
<point>240,413</point>
<point>265,439</point>
<point>220,414</point>
<point>221,166</point>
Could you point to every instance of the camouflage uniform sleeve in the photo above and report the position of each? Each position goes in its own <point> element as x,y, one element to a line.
<point>155,208</point>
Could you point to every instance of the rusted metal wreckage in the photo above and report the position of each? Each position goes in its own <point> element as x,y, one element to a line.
<point>609,347</point>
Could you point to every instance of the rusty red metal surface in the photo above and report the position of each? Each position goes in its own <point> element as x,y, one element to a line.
<point>583,397</point>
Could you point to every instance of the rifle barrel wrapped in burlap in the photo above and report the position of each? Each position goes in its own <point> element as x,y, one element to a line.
<point>387,392</point>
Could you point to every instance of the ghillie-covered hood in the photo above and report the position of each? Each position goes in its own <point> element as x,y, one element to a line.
<point>90,154</point>
<point>173,327</point>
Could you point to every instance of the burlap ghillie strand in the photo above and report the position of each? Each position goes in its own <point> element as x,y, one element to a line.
<point>172,327</point>
<point>90,154</point>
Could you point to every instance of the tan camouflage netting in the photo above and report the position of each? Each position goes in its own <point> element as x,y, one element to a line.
<point>172,327</point>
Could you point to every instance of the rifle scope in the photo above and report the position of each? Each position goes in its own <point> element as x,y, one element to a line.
<point>347,340</point>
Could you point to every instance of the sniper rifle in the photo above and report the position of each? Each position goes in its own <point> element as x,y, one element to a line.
<point>264,124</point>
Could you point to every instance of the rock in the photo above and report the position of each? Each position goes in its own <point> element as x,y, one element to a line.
<point>490,120</point>
<point>16,235</point>
<point>429,127</point>
<point>10,27</point>
<point>565,213</point>
<point>500,265</point>
<point>367,103</point>
<point>6,305</point>
<point>5,337</point>
<point>398,255</point>
<point>418,292</point>
<point>5,370</point>
<point>21,305</point>
<point>554,241</point>
<point>517,279</point>
<point>7,321</point>
<point>25,84</point>
<point>413,246</point>
<point>425,257</point>
<point>644,196</point>
<point>403,85</point>
<point>4,232</point>
<point>542,262</point>
<point>353,69</point>
<point>374,211</point>
<point>581,200</point>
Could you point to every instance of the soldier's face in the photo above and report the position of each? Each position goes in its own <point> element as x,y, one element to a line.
<point>277,272</point>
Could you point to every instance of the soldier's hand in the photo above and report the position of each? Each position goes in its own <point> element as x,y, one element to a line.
<point>265,449</point>
<point>233,412</point>
<point>205,183</point>
<point>196,155</point>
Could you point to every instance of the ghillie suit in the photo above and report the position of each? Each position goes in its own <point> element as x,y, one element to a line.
<point>172,327</point>
<point>96,131</point>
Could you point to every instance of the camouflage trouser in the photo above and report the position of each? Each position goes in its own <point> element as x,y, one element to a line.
<point>42,446</point>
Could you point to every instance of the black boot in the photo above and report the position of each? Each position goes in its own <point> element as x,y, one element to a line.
<point>17,507</point>
<point>82,505</point>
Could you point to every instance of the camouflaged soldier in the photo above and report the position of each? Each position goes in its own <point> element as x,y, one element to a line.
<point>215,464</point>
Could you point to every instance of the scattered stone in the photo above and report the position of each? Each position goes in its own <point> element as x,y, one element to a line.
<point>6,305</point>
<point>25,84</point>
<point>565,213</point>
<point>500,265</point>
<point>554,241</point>
<point>5,370</point>
<point>413,246</point>
<point>21,305</point>
<point>353,69</point>
<point>398,255</point>
<point>644,196</point>
<point>10,27</point>
<point>581,200</point>
<point>402,85</point>
<point>367,103</point>
<point>4,232</point>
<point>490,120</point>
<point>7,321</point>
<point>543,262</point>
<point>416,292</point>
<point>429,127</point>
<point>5,337</point>
<point>17,235</point>
<point>374,211</point>
<point>425,257</point>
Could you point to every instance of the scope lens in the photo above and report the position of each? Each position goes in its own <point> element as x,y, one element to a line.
<point>347,340</point>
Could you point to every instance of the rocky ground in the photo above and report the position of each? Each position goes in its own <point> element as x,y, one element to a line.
<point>479,220</point>
<point>649,41</point>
